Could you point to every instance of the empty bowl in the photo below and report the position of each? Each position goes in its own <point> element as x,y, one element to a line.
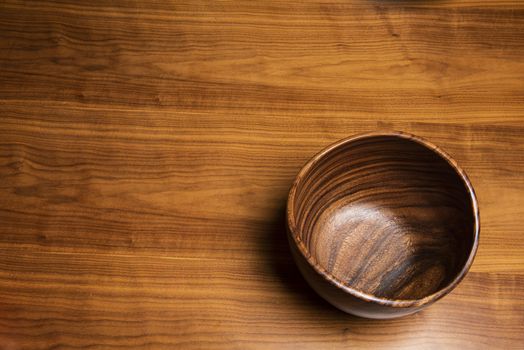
<point>382,225</point>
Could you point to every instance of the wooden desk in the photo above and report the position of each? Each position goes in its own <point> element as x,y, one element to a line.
<point>147,148</point>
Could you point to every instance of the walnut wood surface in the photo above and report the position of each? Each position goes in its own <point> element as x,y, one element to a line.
<point>388,219</point>
<point>147,149</point>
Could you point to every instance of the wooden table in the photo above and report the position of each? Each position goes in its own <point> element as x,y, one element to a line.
<point>147,148</point>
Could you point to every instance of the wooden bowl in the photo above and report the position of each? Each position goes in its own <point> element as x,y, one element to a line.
<point>382,225</point>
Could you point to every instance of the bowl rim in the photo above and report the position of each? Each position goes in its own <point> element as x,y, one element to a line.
<point>398,303</point>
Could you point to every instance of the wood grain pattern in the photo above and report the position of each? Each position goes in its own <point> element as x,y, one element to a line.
<point>382,224</point>
<point>119,119</point>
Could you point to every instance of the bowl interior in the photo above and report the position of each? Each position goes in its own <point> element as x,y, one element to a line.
<point>387,216</point>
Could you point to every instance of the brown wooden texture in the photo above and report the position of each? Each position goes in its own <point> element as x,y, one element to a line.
<point>147,149</point>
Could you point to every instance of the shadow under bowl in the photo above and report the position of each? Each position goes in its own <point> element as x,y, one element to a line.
<point>382,225</point>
